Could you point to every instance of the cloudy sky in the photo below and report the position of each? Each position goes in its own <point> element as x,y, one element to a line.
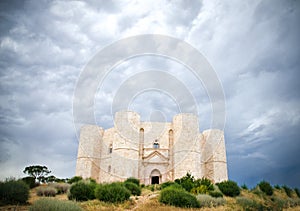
<point>253,47</point>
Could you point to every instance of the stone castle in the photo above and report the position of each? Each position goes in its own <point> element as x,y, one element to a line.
<point>153,152</point>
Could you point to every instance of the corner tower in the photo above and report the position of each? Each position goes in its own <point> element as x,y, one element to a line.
<point>89,152</point>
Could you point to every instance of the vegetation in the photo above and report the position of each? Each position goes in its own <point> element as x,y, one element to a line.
<point>297,192</point>
<point>249,204</point>
<point>287,190</point>
<point>74,179</point>
<point>277,187</point>
<point>46,191</point>
<point>82,191</point>
<point>208,201</point>
<point>178,197</point>
<point>244,186</point>
<point>37,172</point>
<point>199,186</point>
<point>229,188</point>
<point>133,180</point>
<point>52,204</point>
<point>115,196</point>
<point>114,192</point>
<point>13,192</point>
<point>61,188</point>
<point>133,188</point>
<point>215,194</point>
<point>167,184</point>
<point>202,186</point>
<point>266,188</point>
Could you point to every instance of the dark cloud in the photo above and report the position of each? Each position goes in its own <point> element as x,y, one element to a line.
<point>253,46</point>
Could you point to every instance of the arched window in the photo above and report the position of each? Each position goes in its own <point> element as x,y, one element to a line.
<point>156,144</point>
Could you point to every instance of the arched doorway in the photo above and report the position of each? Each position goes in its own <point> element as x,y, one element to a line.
<point>155,177</point>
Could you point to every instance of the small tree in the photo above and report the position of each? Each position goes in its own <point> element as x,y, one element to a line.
<point>38,172</point>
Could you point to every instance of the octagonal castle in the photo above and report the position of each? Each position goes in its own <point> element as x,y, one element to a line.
<point>153,152</point>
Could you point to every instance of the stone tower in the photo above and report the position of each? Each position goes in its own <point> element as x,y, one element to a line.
<point>154,152</point>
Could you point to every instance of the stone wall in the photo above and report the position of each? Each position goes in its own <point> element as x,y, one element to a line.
<point>127,150</point>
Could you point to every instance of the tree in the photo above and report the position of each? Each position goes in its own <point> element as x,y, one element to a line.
<point>38,172</point>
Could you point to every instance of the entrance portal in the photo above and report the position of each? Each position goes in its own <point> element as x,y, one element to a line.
<point>155,177</point>
<point>154,180</point>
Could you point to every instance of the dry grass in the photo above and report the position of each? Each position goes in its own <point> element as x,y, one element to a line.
<point>148,201</point>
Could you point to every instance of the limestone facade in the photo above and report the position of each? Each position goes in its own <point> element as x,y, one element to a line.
<point>153,152</point>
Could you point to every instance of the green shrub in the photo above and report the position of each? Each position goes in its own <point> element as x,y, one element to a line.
<point>187,182</point>
<point>13,192</point>
<point>114,192</point>
<point>202,189</point>
<point>229,188</point>
<point>249,204</point>
<point>204,182</point>
<point>266,188</point>
<point>30,181</point>
<point>46,191</point>
<point>287,190</point>
<point>61,188</point>
<point>297,192</point>
<point>244,186</point>
<point>74,179</point>
<point>82,191</point>
<point>167,184</point>
<point>46,204</point>
<point>277,187</point>
<point>133,180</point>
<point>215,194</point>
<point>208,201</point>
<point>133,188</point>
<point>178,197</point>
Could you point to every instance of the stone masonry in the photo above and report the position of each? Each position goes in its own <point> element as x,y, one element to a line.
<point>153,152</point>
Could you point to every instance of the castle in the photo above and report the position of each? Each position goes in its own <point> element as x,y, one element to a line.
<point>153,152</point>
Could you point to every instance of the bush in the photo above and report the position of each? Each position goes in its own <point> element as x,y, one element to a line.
<point>61,188</point>
<point>133,180</point>
<point>52,204</point>
<point>249,204</point>
<point>187,182</point>
<point>297,192</point>
<point>229,188</point>
<point>277,187</point>
<point>178,197</point>
<point>215,194</point>
<point>208,201</point>
<point>133,188</point>
<point>74,179</point>
<point>244,186</point>
<point>82,191</point>
<point>46,191</point>
<point>30,181</point>
<point>266,188</point>
<point>13,192</point>
<point>114,192</point>
<point>204,182</point>
<point>167,184</point>
<point>287,190</point>
<point>202,189</point>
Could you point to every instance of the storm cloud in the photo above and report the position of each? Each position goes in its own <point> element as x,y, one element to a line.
<point>253,46</point>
